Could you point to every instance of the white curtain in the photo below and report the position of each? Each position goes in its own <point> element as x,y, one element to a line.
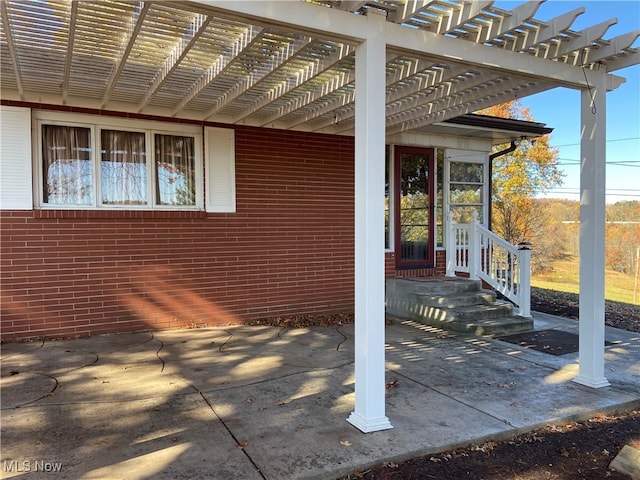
<point>123,168</point>
<point>175,170</point>
<point>67,169</point>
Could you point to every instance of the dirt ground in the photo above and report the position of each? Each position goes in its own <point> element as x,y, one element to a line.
<point>574,451</point>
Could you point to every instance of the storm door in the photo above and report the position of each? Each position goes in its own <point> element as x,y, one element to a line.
<point>414,200</point>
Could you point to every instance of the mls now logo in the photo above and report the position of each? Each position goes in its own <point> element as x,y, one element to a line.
<point>31,466</point>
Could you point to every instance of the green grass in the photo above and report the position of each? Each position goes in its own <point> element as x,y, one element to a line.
<point>565,278</point>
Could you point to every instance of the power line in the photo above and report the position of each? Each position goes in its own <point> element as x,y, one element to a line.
<point>620,163</point>
<point>607,141</point>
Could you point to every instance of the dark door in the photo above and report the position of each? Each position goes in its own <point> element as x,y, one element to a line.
<point>414,200</point>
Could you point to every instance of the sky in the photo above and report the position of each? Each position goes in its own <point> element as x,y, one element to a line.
<point>623,105</point>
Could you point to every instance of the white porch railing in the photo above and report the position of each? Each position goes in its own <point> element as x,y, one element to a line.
<point>474,249</point>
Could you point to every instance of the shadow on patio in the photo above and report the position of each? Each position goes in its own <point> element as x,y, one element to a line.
<point>266,402</point>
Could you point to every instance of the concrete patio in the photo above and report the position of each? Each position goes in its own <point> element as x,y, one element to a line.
<point>270,403</point>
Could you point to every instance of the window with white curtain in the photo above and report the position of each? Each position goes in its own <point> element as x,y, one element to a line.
<point>131,164</point>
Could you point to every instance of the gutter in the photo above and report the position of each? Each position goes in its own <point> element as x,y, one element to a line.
<point>509,149</point>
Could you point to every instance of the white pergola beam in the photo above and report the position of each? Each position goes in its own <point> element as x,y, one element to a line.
<point>285,55</point>
<point>313,70</point>
<point>615,45</point>
<point>592,239</point>
<point>184,44</point>
<point>543,34</point>
<point>422,102</point>
<point>340,82</point>
<point>458,17</point>
<point>369,413</point>
<point>305,18</point>
<point>444,21</point>
<point>70,43</point>
<point>340,25</point>
<point>411,8</point>
<point>431,79</point>
<point>8,32</point>
<point>623,61</point>
<point>222,63</point>
<point>585,39</point>
<point>124,54</point>
<point>512,90</point>
<point>519,15</point>
<point>483,57</point>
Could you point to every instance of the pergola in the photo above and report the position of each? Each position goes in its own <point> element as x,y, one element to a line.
<point>374,69</point>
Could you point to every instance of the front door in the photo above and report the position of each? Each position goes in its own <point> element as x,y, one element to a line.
<point>414,200</point>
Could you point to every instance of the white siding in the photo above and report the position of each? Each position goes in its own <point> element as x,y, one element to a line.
<point>219,146</point>
<point>16,183</point>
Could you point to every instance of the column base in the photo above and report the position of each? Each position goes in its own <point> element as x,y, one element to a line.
<point>369,425</point>
<point>592,382</point>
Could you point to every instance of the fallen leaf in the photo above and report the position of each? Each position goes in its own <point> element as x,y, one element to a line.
<point>345,443</point>
<point>392,384</point>
<point>242,444</point>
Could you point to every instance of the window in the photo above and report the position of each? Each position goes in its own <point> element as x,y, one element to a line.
<point>466,190</point>
<point>87,161</point>
<point>67,167</point>
<point>439,198</point>
<point>387,197</point>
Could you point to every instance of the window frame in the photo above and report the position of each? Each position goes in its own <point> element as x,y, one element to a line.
<point>96,123</point>
<point>479,158</point>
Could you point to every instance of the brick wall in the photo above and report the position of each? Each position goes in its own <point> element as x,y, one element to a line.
<point>439,269</point>
<point>287,250</point>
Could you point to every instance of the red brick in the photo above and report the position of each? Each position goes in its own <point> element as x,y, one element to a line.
<point>288,249</point>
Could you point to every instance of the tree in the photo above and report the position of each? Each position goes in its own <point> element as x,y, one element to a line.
<point>518,177</point>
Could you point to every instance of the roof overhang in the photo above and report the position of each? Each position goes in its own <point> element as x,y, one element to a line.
<point>498,130</point>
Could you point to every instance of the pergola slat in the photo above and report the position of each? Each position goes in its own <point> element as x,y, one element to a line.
<point>272,64</point>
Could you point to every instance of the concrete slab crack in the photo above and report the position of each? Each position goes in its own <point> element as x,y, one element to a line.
<point>235,439</point>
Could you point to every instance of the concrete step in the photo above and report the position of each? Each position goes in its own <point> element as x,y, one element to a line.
<point>470,313</point>
<point>482,297</point>
<point>458,304</point>
<point>494,327</point>
<point>437,285</point>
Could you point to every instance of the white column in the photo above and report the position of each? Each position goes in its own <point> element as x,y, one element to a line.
<point>369,413</point>
<point>592,222</point>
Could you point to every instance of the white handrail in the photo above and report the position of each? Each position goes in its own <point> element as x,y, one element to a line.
<point>476,250</point>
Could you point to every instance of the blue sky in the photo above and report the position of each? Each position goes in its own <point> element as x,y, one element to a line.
<point>623,105</point>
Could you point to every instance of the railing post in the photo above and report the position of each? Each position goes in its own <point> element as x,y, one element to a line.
<point>474,248</point>
<point>451,247</point>
<point>524,287</point>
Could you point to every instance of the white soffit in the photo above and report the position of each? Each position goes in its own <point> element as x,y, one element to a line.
<point>291,64</point>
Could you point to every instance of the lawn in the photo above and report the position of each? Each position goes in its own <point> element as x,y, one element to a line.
<point>565,278</point>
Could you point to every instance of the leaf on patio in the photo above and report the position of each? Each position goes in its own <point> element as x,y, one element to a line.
<point>392,384</point>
